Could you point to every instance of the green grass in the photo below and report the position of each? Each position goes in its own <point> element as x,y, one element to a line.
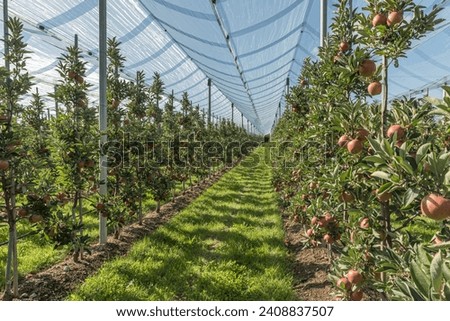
<point>36,253</point>
<point>227,245</point>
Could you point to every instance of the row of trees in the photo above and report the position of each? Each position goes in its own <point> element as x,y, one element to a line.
<point>49,168</point>
<point>361,174</point>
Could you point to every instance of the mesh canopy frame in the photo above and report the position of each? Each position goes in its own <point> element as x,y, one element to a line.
<point>247,48</point>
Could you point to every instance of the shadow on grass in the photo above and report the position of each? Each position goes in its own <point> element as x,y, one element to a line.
<point>216,249</point>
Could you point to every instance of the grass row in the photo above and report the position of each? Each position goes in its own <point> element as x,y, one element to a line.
<point>226,245</point>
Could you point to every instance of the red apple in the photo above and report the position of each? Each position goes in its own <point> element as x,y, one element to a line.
<point>435,207</point>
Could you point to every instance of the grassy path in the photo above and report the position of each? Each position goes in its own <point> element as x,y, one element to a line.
<point>227,245</point>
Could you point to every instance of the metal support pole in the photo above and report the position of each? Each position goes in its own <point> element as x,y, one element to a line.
<point>288,85</point>
<point>247,125</point>
<point>232,112</point>
<point>103,116</point>
<point>5,32</point>
<point>56,102</point>
<point>209,101</point>
<point>242,120</point>
<point>76,41</point>
<point>323,21</point>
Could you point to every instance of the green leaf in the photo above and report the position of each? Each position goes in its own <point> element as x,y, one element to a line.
<point>447,178</point>
<point>447,292</point>
<point>387,267</point>
<point>380,174</point>
<point>422,152</point>
<point>409,197</point>
<point>410,291</point>
<point>436,271</point>
<point>423,256</point>
<point>442,162</point>
<point>444,245</point>
<point>388,148</point>
<point>403,164</point>
<point>404,287</point>
<point>385,187</point>
<point>420,279</point>
<point>374,159</point>
<point>446,272</point>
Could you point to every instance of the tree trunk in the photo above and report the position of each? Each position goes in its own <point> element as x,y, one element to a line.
<point>140,207</point>
<point>386,242</point>
<point>158,206</point>
<point>76,256</point>
<point>80,215</point>
<point>11,274</point>
<point>384,101</point>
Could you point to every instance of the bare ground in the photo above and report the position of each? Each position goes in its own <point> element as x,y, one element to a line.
<point>309,266</point>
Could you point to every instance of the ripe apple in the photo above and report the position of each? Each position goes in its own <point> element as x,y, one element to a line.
<point>394,18</point>
<point>379,19</point>
<point>355,146</point>
<point>347,197</point>
<point>322,222</point>
<point>344,46</point>
<point>365,223</point>
<point>399,143</point>
<point>310,232</point>
<point>374,88</point>
<point>367,68</point>
<point>328,238</point>
<point>4,165</point>
<point>396,129</point>
<point>361,134</point>
<point>79,79</point>
<point>36,218</point>
<point>71,74</point>
<point>115,103</point>
<point>356,296</point>
<point>354,276</point>
<point>343,140</point>
<point>345,283</point>
<point>81,164</point>
<point>435,207</point>
<point>328,217</point>
<point>100,206</point>
<point>22,212</point>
